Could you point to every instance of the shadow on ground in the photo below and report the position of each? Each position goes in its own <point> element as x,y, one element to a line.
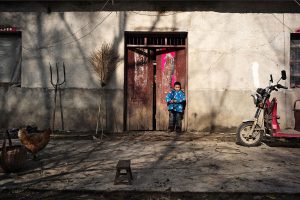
<point>289,143</point>
<point>137,195</point>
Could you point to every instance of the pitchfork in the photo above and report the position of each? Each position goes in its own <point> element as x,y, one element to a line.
<point>57,87</point>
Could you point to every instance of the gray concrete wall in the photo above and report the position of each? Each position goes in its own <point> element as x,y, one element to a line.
<point>225,50</point>
<point>223,110</point>
<point>34,106</point>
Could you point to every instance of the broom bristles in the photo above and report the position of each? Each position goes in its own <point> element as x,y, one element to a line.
<point>104,62</point>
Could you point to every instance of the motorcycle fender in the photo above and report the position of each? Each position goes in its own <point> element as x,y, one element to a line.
<point>248,120</point>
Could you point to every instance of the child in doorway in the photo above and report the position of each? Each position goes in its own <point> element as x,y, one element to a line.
<point>176,104</point>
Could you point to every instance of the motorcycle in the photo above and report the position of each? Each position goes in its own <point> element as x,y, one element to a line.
<point>251,132</point>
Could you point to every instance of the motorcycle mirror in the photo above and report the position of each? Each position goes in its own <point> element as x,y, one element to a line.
<point>271,78</point>
<point>283,75</point>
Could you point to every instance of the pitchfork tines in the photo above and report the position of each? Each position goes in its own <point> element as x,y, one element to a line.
<point>57,87</point>
<point>57,75</point>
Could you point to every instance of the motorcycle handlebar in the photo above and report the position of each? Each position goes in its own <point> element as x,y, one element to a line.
<point>276,87</point>
<point>281,86</point>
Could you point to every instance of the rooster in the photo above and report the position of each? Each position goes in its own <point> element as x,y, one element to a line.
<point>34,142</point>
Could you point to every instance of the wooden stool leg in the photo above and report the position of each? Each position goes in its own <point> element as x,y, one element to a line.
<point>130,174</point>
<point>117,177</point>
<point>128,177</point>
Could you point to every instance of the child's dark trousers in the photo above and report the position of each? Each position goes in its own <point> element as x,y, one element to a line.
<point>175,121</point>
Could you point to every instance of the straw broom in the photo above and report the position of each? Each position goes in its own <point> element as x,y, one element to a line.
<point>104,62</point>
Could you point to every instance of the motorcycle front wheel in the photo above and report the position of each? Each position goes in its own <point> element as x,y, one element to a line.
<point>249,140</point>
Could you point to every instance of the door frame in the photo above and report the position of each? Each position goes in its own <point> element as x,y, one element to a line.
<point>141,42</point>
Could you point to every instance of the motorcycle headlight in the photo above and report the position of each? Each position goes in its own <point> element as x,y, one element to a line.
<point>260,91</point>
<point>256,98</point>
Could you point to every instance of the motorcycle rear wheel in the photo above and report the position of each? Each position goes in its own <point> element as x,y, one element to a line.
<point>253,139</point>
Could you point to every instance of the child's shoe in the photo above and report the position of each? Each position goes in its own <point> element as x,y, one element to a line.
<point>170,129</point>
<point>178,130</point>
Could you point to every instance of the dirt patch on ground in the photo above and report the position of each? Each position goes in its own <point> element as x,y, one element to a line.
<point>165,166</point>
<point>153,136</point>
<point>148,136</point>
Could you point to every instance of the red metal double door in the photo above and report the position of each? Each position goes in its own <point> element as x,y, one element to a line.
<point>151,73</point>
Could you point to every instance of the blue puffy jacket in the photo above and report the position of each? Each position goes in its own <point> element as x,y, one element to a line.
<point>179,97</point>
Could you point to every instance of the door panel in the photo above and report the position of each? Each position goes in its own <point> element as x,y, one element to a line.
<point>139,90</point>
<point>171,67</point>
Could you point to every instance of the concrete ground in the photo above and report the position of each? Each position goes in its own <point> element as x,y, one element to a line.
<point>190,163</point>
